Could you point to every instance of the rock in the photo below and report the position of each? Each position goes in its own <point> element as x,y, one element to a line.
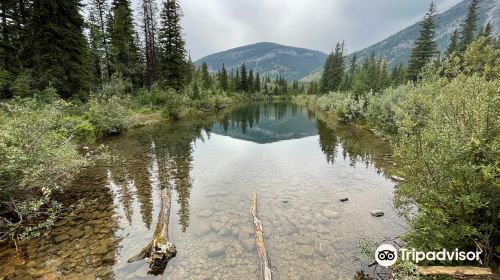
<point>226,230</point>
<point>101,250</point>
<point>344,199</point>
<point>330,214</point>
<point>244,233</point>
<point>301,239</point>
<point>377,213</point>
<point>248,244</point>
<point>216,226</point>
<point>216,249</point>
<point>323,250</point>
<point>61,237</point>
<point>284,201</point>
<point>76,233</point>
<point>205,213</point>
<point>397,178</point>
<point>306,250</point>
<point>202,230</point>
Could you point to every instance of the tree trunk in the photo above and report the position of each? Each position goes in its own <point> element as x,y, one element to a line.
<point>265,263</point>
<point>159,251</point>
<point>454,270</point>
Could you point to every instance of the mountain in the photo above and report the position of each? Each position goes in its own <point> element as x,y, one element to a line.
<point>397,48</point>
<point>269,59</point>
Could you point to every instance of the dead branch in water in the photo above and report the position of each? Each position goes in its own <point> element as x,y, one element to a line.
<point>265,263</point>
<point>159,251</point>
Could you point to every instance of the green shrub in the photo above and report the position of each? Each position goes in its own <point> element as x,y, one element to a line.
<point>79,129</point>
<point>381,109</point>
<point>107,114</point>
<point>177,105</point>
<point>37,158</point>
<point>448,152</point>
<point>21,86</point>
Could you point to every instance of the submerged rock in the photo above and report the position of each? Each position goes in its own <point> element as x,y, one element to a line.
<point>344,199</point>
<point>62,237</point>
<point>202,230</point>
<point>377,213</point>
<point>205,214</point>
<point>330,214</point>
<point>216,249</point>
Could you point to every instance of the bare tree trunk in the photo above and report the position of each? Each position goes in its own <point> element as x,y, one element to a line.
<point>265,263</point>
<point>159,251</point>
<point>454,270</point>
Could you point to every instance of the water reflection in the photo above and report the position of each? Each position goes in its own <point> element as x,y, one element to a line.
<point>267,123</point>
<point>211,173</point>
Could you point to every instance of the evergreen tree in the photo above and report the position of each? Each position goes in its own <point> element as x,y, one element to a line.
<point>486,32</point>
<point>59,48</point>
<point>98,10</point>
<point>324,83</point>
<point>243,78</point>
<point>151,47</point>
<point>425,46</point>
<point>124,50</point>
<point>256,85</point>
<point>453,46</point>
<point>205,76</point>
<point>250,81</point>
<point>223,79</point>
<point>469,26</point>
<point>173,64</point>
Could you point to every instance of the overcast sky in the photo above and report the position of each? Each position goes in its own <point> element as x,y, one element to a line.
<point>216,25</point>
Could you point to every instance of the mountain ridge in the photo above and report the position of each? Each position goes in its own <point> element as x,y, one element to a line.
<point>267,58</point>
<point>397,47</point>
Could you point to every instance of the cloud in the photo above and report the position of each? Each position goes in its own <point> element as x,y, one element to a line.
<point>216,25</point>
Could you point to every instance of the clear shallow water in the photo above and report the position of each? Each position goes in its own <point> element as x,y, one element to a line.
<point>298,165</point>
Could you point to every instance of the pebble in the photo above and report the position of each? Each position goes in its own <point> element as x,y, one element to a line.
<point>344,199</point>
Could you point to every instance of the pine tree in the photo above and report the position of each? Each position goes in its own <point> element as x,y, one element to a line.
<point>173,65</point>
<point>124,50</point>
<point>326,75</point>
<point>205,76</point>
<point>59,47</point>
<point>223,79</point>
<point>486,32</point>
<point>469,26</point>
<point>243,78</point>
<point>425,46</point>
<point>98,10</point>
<point>453,46</point>
<point>250,82</point>
<point>151,48</point>
<point>256,85</point>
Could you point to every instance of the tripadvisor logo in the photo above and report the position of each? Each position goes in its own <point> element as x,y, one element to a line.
<point>387,255</point>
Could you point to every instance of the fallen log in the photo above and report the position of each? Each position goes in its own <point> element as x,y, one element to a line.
<point>159,250</point>
<point>265,263</point>
<point>454,270</point>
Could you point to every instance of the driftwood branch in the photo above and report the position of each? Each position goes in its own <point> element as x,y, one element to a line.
<point>159,250</point>
<point>454,270</point>
<point>265,263</point>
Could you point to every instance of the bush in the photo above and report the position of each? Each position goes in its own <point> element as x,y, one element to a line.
<point>37,158</point>
<point>79,129</point>
<point>107,114</point>
<point>21,86</point>
<point>381,109</point>
<point>177,105</point>
<point>448,152</point>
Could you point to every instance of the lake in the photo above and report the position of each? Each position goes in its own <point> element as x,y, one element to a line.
<point>298,163</point>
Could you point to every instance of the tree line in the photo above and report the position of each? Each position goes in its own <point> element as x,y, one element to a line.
<point>48,43</point>
<point>373,73</point>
